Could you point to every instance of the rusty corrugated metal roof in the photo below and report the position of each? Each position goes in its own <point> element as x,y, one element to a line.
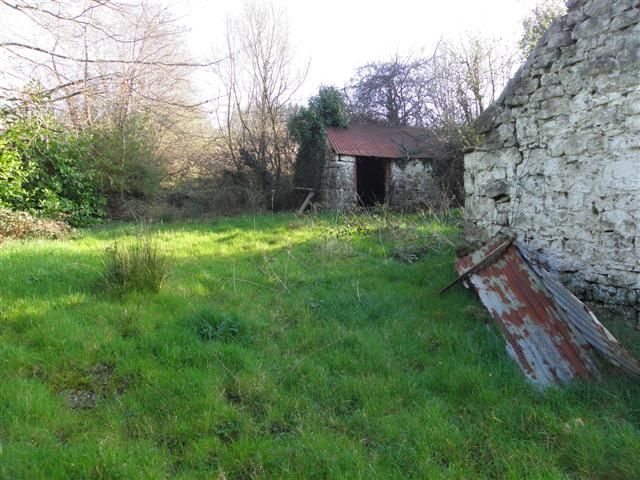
<point>588,324</point>
<point>378,141</point>
<point>546,346</point>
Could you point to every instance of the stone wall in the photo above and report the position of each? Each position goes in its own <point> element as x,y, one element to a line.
<point>339,182</point>
<point>560,164</point>
<point>412,184</point>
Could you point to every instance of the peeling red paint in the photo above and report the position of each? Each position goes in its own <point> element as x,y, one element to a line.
<point>545,345</point>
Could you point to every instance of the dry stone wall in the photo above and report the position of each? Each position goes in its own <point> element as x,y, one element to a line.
<point>560,164</point>
<point>412,184</point>
<point>339,182</point>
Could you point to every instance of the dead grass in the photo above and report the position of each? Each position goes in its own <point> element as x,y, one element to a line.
<point>22,225</point>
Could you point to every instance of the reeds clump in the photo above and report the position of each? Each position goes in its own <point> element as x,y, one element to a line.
<point>138,264</point>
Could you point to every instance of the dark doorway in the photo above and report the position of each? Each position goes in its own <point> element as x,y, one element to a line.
<point>371,178</point>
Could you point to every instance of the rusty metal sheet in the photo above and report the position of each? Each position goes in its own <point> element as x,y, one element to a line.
<point>548,348</point>
<point>585,321</point>
<point>379,141</point>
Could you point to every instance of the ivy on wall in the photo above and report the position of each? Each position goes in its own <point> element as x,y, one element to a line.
<point>308,128</point>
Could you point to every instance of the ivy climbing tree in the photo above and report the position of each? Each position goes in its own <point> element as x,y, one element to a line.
<point>308,127</point>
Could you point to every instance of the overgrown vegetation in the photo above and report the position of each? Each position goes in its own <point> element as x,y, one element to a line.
<point>46,169</point>
<point>308,127</point>
<point>52,171</point>
<point>283,347</point>
<point>106,118</point>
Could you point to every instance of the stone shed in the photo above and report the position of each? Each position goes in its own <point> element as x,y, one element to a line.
<point>560,162</point>
<point>372,164</point>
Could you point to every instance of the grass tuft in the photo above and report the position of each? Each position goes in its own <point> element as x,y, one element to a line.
<point>136,264</point>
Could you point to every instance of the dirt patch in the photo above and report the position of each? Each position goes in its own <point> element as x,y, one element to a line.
<point>80,399</point>
<point>102,372</point>
<point>100,383</point>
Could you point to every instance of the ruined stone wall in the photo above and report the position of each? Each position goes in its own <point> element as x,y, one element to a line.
<point>339,182</point>
<point>560,165</point>
<point>412,184</point>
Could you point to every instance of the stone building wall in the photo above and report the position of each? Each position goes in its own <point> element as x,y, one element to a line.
<point>412,184</point>
<point>560,164</point>
<point>339,182</point>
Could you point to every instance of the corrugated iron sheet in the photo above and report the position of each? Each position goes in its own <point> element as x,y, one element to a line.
<point>585,321</point>
<point>378,141</point>
<point>548,348</point>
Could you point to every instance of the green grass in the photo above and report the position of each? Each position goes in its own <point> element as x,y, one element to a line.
<point>282,348</point>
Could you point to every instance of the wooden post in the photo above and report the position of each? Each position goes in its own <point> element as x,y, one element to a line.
<point>305,203</point>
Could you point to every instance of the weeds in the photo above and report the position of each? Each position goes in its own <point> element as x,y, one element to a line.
<point>410,253</point>
<point>409,238</point>
<point>136,264</point>
<point>216,326</point>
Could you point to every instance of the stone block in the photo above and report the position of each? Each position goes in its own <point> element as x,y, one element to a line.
<point>619,6</point>
<point>485,121</point>
<point>597,7</point>
<point>527,86</point>
<point>633,106</point>
<point>592,26</point>
<point>559,39</point>
<point>633,123</point>
<point>516,100</point>
<point>574,16</point>
<point>497,188</point>
<point>550,79</point>
<point>552,91</point>
<point>526,130</point>
<point>625,19</point>
<point>546,58</point>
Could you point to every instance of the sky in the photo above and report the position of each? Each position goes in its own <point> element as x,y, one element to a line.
<point>336,37</point>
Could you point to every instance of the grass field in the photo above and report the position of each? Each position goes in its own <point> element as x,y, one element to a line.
<point>282,348</point>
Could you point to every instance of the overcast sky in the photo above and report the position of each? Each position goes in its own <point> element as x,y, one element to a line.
<point>339,36</point>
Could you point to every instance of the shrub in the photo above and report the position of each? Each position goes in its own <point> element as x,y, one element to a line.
<point>44,168</point>
<point>125,161</point>
<point>136,264</point>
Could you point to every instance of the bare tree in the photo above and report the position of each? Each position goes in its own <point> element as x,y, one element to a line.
<point>258,79</point>
<point>101,62</point>
<point>391,92</point>
<point>117,68</point>
<point>95,56</point>
<point>471,74</point>
<point>453,85</point>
